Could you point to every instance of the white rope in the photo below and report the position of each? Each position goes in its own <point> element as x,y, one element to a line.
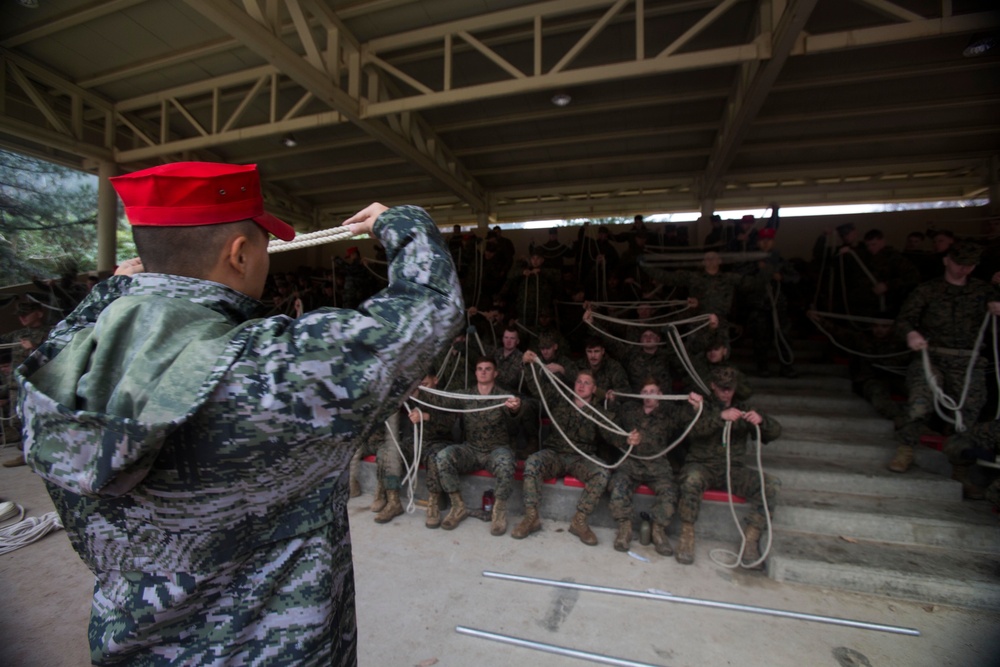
<point>366,262</point>
<point>786,355</point>
<point>737,558</point>
<point>311,239</point>
<point>686,259</point>
<point>871,276</point>
<point>680,438</point>
<point>412,467</point>
<point>855,352</point>
<point>944,402</point>
<point>29,530</point>
<point>614,428</point>
<point>474,397</point>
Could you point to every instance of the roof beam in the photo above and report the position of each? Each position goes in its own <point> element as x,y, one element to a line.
<point>745,108</point>
<point>260,40</point>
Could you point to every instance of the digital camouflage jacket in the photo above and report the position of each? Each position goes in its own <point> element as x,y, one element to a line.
<point>198,458</point>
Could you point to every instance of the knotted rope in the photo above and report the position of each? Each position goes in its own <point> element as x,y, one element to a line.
<point>737,558</point>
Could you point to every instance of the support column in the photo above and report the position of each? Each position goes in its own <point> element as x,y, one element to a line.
<point>483,224</point>
<point>107,218</point>
<point>994,185</point>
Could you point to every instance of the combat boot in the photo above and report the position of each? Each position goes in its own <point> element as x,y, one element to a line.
<point>353,470</point>
<point>960,473</point>
<point>660,541</point>
<point>392,509</point>
<point>433,519</point>
<point>379,503</point>
<point>624,538</point>
<point>529,524</point>
<point>580,528</point>
<point>498,526</point>
<point>685,548</point>
<point>456,513</point>
<point>751,552</point>
<point>903,459</point>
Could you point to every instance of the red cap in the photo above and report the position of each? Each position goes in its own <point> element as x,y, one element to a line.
<point>187,194</point>
<point>767,233</point>
<point>353,250</point>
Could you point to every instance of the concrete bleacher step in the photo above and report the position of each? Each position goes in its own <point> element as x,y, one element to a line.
<point>874,450</point>
<point>821,401</point>
<point>859,477</point>
<point>921,573</point>
<point>967,525</point>
<point>832,425</point>
<point>805,382</point>
<point>559,505</point>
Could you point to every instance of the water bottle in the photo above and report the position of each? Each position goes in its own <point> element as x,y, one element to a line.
<point>488,499</point>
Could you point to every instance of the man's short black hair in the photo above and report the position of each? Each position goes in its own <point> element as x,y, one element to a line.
<point>187,251</point>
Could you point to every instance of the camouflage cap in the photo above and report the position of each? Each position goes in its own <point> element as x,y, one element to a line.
<point>966,254</point>
<point>723,377</point>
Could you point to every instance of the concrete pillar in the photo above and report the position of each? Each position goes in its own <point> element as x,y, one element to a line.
<point>483,224</point>
<point>107,217</point>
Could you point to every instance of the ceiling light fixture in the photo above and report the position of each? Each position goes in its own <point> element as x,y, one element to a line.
<point>980,46</point>
<point>561,99</point>
<point>288,141</point>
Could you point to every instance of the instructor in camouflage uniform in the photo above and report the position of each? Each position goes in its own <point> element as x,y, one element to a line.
<point>197,456</point>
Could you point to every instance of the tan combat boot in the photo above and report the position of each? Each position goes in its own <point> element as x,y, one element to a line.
<point>751,552</point>
<point>499,524</point>
<point>660,541</point>
<point>624,538</point>
<point>580,528</point>
<point>456,513</point>
<point>903,459</point>
<point>433,519</point>
<point>529,524</point>
<point>685,548</point>
<point>379,503</point>
<point>392,509</point>
<point>353,470</point>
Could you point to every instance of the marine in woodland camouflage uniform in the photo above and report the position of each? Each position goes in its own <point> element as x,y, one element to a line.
<point>869,377</point>
<point>646,358</point>
<point>559,457</point>
<point>198,457</point>
<point>766,301</point>
<point>659,423</point>
<point>706,460</point>
<point>487,442</point>
<point>944,317</point>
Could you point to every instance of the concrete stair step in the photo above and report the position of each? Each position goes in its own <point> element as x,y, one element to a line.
<point>924,574</point>
<point>860,478</point>
<point>805,382</point>
<point>804,421</point>
<point>715,521</point>
<point>873,450</point>
<point>967,525</point>
<point>832,402</point>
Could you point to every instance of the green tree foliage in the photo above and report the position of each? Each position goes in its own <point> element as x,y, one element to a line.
<point>48,219</point>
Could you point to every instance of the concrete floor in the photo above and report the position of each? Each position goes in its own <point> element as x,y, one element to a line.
<point>415,585</point>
